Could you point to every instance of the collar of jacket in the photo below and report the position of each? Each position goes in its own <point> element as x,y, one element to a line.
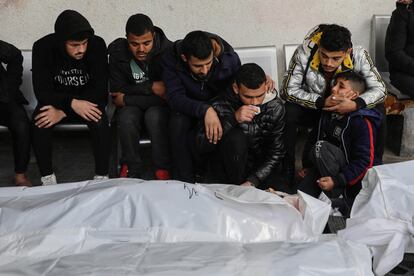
<point>315,62</point>
<point>345,66</point>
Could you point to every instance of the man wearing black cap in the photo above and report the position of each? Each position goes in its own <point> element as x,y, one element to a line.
<point>70,84</point>
<point>138,92</point>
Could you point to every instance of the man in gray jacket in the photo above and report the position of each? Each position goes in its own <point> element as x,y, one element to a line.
<point>326,51</point>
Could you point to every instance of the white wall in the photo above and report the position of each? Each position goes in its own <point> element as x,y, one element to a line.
<point>241,22</point>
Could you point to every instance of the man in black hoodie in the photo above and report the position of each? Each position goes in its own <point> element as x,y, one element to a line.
<point>12,113</point>
<point>138,92</point>
<point>70,84</point>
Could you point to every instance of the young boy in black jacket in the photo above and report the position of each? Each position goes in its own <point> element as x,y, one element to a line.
<point>70,84</point>
<point>138,92</point>
<point>345,147</point>
<point>12,112</point>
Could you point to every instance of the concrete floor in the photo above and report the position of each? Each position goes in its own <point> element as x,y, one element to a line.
<point>73,160</point>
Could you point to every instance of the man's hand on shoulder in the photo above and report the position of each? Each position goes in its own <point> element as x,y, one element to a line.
<point>87,110</point>
<point>48,116</point>
<point>118,99</point>
<point>158,88</point>
<point>212,126</point>
<point>246,113</point>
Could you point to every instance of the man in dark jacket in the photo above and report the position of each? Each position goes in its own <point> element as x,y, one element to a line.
<point>138,92</point>
<point>70,84</point>
<point>399,47</point>
<point>195,70</point>
<point>345,149</point>
<point>251,148</point>
<point>12,112</point>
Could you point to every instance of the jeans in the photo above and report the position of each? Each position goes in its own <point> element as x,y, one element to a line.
<point>130,121</point>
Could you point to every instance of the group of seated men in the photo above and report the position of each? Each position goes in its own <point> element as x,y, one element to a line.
<point>209,117</point>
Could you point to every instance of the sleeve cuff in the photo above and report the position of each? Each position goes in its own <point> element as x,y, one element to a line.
<point>360,103</point>
<point>204,111</point>
<point>319,103</point>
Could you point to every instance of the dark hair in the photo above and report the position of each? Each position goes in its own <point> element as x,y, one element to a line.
<point>357,81</point>
<point>335,38</point>
<point>80,36</point>
<point>139,24</point>
<point>197,44</point>
<point>250,75</point>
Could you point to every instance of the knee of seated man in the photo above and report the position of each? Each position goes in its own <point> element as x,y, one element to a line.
<point>156,115</point>
<point>179,123</point>
<point>101,123</point>
<point>236,138</point>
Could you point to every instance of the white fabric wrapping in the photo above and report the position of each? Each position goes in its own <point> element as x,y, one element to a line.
<point>227,211</point>
<point>382,215</point>
<point>130,252</point>
<point>134,227</point>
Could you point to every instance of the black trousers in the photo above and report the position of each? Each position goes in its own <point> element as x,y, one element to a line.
<point>131,121</point>
<point>182,139</point>
<point>299,116</point>
<point>403,82</point>
<point>230,163</point>
<point>14,117</point>
<point>42,142</point>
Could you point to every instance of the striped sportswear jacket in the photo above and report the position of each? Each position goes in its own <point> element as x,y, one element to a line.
<point>310,92</point>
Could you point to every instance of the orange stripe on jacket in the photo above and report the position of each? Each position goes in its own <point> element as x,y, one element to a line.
<point>371,153</point>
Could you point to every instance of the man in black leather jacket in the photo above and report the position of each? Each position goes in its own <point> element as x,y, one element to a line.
<point>252,146</point>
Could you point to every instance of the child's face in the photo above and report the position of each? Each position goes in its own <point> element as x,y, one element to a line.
<point>342,88</point>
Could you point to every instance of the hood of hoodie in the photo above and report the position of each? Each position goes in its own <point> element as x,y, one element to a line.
<point>374,115</point>
<point>70,22</point>
<point>119,49</point>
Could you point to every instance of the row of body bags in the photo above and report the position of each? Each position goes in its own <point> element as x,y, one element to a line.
<point>135,227</point>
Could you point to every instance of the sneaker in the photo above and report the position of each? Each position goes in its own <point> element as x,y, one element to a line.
<point>124,171</point>
<point>100,177</point>
<point>161,174</point>
<point>48,179</point>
